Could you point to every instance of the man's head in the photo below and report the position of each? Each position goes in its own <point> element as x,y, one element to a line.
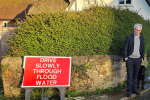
<point>137,29</point>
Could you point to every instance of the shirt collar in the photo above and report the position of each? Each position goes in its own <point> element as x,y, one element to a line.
<point>134,35</point>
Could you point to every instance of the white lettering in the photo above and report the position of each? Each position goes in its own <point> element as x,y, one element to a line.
<point>45,65</point>
<point>38,76</point>
<point>58,65</point>
<point>53,82</point>
<point>43,83</point>
<point>42,70</point>
<point>51,66</point>
<point>48,60</point>
<point>52,76</point>
<point>38,82</point>
<point>46,71</point>
<point>47,82</point>
<point>37,65</point>
<point>35,70</point>
<point>46,77</point>
<point>41,59</point>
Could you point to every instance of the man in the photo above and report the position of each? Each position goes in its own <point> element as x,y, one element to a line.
<point>134,50</point>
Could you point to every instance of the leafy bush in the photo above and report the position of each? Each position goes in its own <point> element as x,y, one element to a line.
<point>98,30</point>
<point>64,34</point>
<point>125,21</point>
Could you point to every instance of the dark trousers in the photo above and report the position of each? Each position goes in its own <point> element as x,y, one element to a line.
<point>133,66</point>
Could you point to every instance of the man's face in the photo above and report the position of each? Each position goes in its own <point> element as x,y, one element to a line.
<point>137,30</point>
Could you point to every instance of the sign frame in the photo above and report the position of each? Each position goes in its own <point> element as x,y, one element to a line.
<point>24,61</point>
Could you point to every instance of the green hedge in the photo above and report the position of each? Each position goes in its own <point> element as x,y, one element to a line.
<point>124,22</point>
<point>99,30</point>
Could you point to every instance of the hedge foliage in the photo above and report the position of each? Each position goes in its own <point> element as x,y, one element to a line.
<point>98,30</point>
<point>124,22</point>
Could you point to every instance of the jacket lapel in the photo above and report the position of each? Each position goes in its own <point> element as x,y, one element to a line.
<point>140,42</point>
<point>132,40</point>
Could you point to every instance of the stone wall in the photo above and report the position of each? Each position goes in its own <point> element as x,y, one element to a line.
<point>5,33</point>
<point>104,71</point>
<point>11,75</point>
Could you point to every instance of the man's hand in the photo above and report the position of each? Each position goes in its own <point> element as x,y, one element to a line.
<point>142,60</point>
<point>126,59</point>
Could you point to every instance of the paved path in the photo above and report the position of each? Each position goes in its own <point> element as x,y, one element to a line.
<point>121,94</point>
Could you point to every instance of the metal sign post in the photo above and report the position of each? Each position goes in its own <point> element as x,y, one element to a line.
<point>44,72</point>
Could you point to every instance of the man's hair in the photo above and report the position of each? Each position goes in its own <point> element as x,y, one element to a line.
<point>140,25</point>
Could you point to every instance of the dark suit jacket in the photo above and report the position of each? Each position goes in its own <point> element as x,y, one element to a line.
<point>129,46</point>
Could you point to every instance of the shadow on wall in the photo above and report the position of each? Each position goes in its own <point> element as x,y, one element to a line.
<point>66,1</point>
<point>5,33</point>
<point>118,69</point>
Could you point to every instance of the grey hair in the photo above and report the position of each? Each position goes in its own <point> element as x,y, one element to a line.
<point>140,25</point>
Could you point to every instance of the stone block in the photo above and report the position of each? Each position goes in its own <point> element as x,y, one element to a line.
<point>115,57</point>
<point>92,89</point>
<point>103,72</point>
<point>124,78</point>
<point>15,91</point>
<point>120,73</point>
<point>97,81</point>
<point>108,64</point>
<point>123,67</point>
<point>107,84</point>
<point>117,65</point>
<point>114,85</point>
<point>109,77</point>
<point>98,67</point>
<point>80,60</point>
<point>98,59</point>
<point>115,68</point>
<point>92,73</point>
<point>117,81</point>
<point>11,75</point>
<point>74,87</point>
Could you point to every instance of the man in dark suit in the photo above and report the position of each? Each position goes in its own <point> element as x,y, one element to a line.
<point>134,50</point>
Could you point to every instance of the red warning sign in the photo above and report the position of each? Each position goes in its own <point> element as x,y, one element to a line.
<point>46,71</point>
